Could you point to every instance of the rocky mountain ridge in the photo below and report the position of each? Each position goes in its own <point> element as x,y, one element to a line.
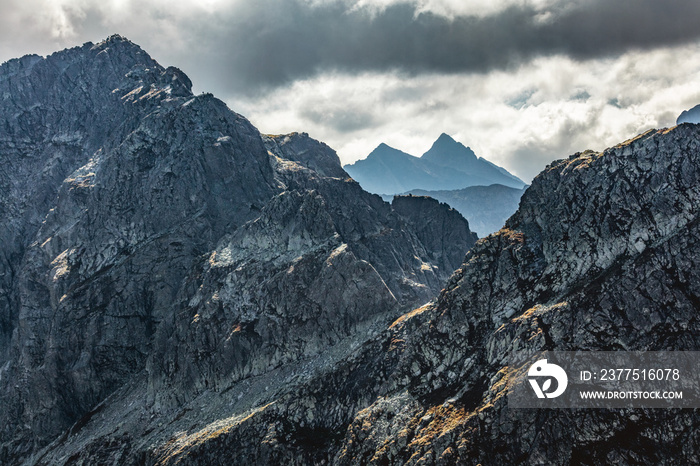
<point>601,255</point>
<point>447,165</point>
<point>603,251</point>
<point>178,289</point>
<point>157,250</point>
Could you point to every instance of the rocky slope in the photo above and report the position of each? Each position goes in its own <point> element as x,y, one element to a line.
<point>603,254</point>
<point>163,266</point>
<point>194,293</point>
<point>447,165</point>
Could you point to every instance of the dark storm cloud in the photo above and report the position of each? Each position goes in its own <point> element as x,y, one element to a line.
<point>340,118</point>
<point>256,45</point>
<point>272,43</point>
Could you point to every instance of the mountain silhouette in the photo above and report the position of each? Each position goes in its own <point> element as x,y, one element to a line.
<point>447,165</point>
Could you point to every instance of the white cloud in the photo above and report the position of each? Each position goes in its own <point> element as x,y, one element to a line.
<point>522,119</point>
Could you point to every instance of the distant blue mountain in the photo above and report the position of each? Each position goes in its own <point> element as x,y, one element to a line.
<point>485,207</point>
<point>447,165</point>
<point>689,116</point>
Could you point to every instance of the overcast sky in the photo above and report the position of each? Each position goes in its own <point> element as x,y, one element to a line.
<point>522,82</point>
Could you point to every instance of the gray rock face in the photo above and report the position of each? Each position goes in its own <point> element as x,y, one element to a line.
<point>306,152</point>
<point>125,202</point>
<point>424,214</point>
<point>157,253</point>
<point>40,146</point>
<point>603,254</point>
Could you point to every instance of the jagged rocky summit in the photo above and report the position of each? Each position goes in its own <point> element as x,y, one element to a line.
<point>603,254</point>
<point>154,312</point>
<point>447,165</point>
<point>165,268</point>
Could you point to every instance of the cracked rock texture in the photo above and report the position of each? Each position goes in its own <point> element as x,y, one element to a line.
<point>185,291</point>
<point>602,255</point>
<point>165,269</point>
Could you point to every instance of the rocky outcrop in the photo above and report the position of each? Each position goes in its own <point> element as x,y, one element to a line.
<point>177,289</point>
<point>300,148</point>
<point>157,252</point>
<point>602,255</point>
<point>425,215</point>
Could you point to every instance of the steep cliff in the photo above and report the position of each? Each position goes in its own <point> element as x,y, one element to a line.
<point>177,289</point>
<point>602,255</point>
<point>157,250</point>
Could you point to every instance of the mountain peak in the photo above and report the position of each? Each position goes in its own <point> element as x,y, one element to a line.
<point>384,151</point>
<point>445,138</point>
<point>446,151</point>
<point>115,40</point>
<point>448,164</point>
